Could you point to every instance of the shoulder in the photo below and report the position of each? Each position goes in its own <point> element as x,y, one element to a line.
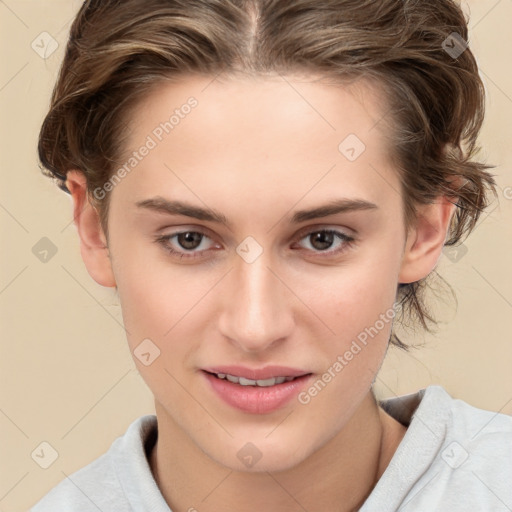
<point>453,457</point>
<point>101,485</point>
<point>448,418</point>
<point>84,490</point>
<point>479,443</point>
<point>471,432</point>
<point>473,467</point>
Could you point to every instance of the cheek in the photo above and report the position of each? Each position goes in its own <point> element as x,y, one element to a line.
<point>159,331</point>
<point>352,297</point>
<point>145,297</point>
<point>356,303</point>
<point>162,302</point>
<point>153,302</point>
<point>357,306</point>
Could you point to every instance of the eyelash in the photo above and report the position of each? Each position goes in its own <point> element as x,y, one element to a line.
<point>163,240</point>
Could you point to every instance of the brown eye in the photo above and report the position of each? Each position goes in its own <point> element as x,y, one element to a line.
<point>320,241</point>
<point>185,244</point>
<point>189,239</point>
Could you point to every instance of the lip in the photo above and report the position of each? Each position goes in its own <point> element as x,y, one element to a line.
<point>258,374</point>
<point>257,399</point>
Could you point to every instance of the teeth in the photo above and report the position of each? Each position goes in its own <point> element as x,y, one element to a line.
<point>249,382</point>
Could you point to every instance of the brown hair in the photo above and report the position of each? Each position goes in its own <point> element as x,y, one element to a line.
<point>119,49</point>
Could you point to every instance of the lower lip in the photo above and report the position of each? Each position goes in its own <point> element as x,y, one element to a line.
<point>256,399</point>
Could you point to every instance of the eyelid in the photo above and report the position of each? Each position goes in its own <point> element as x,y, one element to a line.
<point>349,233</point>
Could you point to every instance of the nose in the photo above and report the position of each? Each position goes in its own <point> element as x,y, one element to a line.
<point>257,309</point>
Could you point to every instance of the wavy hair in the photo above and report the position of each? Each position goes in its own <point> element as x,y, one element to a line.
<point>119,49</point>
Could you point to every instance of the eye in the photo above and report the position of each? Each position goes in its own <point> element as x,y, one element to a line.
<point>191,244</point>
<point>321,240</point>
<point>188,244</point>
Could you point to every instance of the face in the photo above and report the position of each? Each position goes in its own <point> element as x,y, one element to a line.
<point>281,259</point>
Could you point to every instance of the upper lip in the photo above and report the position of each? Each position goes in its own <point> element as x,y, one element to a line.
<point>257,373</point>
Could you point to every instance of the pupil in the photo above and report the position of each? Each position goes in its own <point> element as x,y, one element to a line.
<point>189,240</point>
<point>324,238</point>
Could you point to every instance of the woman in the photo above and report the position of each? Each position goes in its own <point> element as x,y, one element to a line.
<point>267,185</point>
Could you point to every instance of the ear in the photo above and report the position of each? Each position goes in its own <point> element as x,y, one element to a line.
<point>425,240</point>
<point>93,243</point>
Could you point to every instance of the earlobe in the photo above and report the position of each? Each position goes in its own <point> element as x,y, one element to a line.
<point>426,240</point>
<point>93,243</point>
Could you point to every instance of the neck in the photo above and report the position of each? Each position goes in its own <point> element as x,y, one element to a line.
<point>339,476</point>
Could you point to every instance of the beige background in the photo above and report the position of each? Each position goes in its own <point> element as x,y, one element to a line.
<point>67,376</point>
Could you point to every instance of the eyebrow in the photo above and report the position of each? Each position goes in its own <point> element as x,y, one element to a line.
<point>162,205</point>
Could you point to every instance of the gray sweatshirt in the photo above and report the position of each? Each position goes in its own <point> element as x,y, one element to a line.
<point>454,457</point>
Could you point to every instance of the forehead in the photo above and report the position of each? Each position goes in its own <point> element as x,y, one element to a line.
<point>259,133</point>
<point>300,105</point>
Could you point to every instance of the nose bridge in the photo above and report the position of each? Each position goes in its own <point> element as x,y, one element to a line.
<point>256,312</point>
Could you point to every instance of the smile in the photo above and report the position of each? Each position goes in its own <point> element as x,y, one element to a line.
<point>249,382</point>
<point>256,391</point>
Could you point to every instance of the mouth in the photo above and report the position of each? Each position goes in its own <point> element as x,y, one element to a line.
<point>256,391</point>
<point>263,383</point>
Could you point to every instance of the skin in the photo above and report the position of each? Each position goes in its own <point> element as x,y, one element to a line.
<point>256,150</point>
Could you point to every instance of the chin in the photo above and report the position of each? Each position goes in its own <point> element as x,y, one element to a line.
<point>261,455</point>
